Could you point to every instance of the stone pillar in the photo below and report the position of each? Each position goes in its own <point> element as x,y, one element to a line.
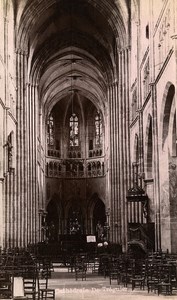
<point>156,167</point>
<point>40,224</point>
<point>154,131</point>
<point>35,187</point>
<point>33,222</point>
<point>1,213</point>
<point>27,128</point>
<point>21,175</point>
<point>112,161</point>
<point>19,133</point>
<point>28,88</point>
<point>109,179</point>
<point>6,211</point>
<point>117,178</point>
<point>119,169</point>
<point>33,163</point>
<point>124,149</point>
<point>124,139</point>
<point>121,174</point>
<point>127,135</point>
<point>113,167</point>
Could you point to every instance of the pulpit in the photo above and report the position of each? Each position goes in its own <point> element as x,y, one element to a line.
<point>140,231</point>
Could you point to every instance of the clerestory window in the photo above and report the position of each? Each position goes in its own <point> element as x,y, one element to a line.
<point>74,131</point>
<point>98,129</point>
<point>50,131</point>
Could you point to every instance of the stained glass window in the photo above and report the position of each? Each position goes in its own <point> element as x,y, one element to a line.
<point>74,131</point>
<point>98,129</point>
<point>50,131</point>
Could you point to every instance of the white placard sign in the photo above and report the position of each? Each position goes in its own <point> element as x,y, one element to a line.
<point>91,239</point>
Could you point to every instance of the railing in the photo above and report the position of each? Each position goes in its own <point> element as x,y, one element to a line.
<point>54,153</point>
<point>142,235</point>
<point>75,168</point>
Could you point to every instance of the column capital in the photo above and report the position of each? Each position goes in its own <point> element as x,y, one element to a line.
<point>21,51</point>
<point>124,49</point>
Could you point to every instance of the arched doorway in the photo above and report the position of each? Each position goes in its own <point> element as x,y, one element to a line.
<point>99,216</point>
<point>52,221</point>
<point>168,158</point>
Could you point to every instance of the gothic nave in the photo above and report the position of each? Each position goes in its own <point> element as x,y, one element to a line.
<point>88,123</point>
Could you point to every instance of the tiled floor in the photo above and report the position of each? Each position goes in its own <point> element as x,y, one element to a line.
<point>96,287</point>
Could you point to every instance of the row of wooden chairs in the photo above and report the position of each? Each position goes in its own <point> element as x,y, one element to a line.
<point>157,276</point>
<point>33,273</point>
<point>34,287</point>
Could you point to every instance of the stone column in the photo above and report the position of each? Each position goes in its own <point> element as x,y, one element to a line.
<point>28,87</point>
<point>127,135</point>
<point>121,174</point>
<point>35,187</point>
<point>21,178</point>
<point>124,140</point>
<point>119,165</point>
<point>124,149</point>
<point>33,205</point>
<point>1,213</point>
<point>117,179</point>
<point>40,224</point>
<point>109,186</point>
<point>30,133</point>
<point>112,161</point>
<point>156,167</point>
<point>33,163</point>
<point>6,211</point>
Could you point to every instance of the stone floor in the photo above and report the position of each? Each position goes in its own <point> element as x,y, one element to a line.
<point>96,287</point>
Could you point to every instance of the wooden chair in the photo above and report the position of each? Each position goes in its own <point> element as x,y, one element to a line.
<point>114,273</point>
<point>152,276</point>
<point>80,271</point>
<point>173,278</point>
<point>164,285</point>
<point>6,286</point>
<point>30,287</point>
<point>95,267</point>
<point>138,274</point>
<point>125,272</point>
<point>44,292</point>
<point>114,276</point>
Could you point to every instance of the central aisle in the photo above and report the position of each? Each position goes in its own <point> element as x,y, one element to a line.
<point>95,287</point>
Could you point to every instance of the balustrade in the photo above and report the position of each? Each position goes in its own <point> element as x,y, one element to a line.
<point>75,168</point>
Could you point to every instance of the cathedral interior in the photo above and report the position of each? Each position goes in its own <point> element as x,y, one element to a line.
<point>88,131</point>
<point>88,124</point>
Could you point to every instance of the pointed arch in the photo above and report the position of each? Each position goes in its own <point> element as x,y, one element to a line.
<point>167,113</point>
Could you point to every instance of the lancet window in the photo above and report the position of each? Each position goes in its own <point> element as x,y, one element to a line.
<point>74,131</point>
<point>50,130</point>
<point>98,129</point>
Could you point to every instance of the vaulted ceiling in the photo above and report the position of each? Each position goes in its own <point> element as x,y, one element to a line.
<point>72,44</point>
